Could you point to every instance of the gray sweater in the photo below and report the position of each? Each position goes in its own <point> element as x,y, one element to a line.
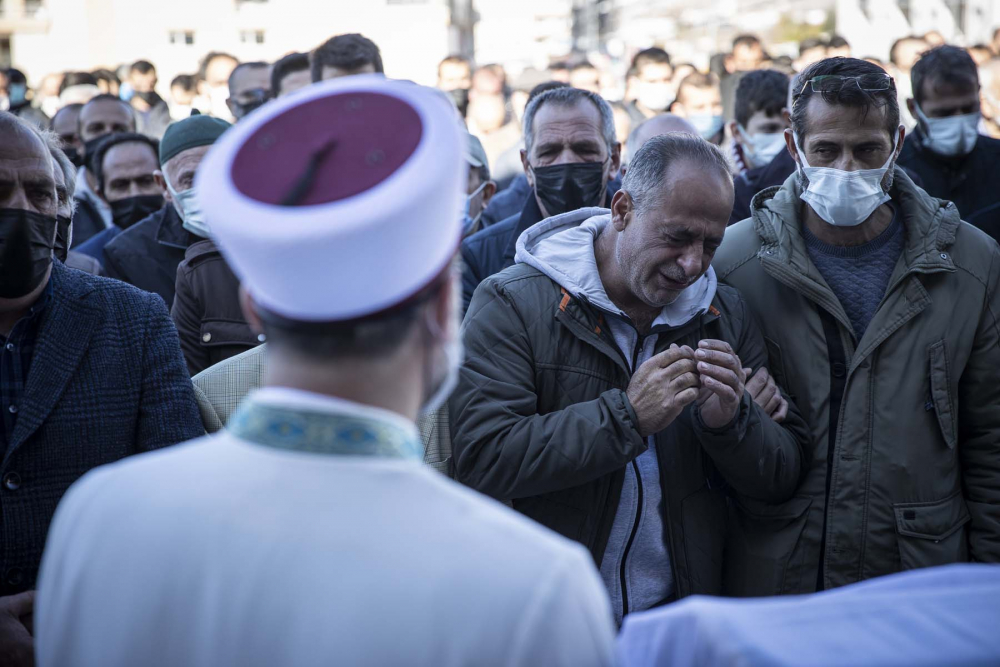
<point>858,275</point>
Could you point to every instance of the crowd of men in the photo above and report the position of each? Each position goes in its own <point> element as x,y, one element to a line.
<point>735,334</point>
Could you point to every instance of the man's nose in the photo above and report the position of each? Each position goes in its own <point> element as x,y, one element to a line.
<point>691,262</point>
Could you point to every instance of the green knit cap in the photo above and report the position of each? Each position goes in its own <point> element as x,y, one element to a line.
<point>190,133</point>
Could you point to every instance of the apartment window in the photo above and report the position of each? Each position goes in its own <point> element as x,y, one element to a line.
<point>252,36</point>
<point>32,7</point>
<point>185,37</point>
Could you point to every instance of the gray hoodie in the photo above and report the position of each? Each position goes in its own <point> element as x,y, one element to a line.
<point>637,557</point>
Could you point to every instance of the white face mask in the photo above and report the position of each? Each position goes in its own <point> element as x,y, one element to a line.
<point>655,96</point>
<point>951,136</point>
<point>468,222</point>
<point>454,352</point>
<point>186,203</point>
<point>762,147</point>
<point>844,198</point>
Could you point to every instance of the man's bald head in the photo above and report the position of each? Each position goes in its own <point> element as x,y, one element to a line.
<point>26,168</point>
<point>655,126</point>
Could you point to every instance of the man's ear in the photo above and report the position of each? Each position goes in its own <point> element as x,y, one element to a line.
<point>911,104</point>
<point>489,190</point>
<point>790,145</point>
<point>786,115</point>
<point>734,132</point>
<point>616,158</point>
<point>161,180</point>
<point>899,144</point>
<point>249,309</point>
<point>527,169</point>
<point>621,208</point>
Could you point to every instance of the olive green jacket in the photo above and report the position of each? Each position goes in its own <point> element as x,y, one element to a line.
<point>913,478</point>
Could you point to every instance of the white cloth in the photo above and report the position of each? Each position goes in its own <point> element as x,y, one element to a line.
<point>939,616</point>
<point>225,552</point>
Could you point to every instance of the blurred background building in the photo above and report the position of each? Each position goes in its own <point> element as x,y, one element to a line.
<point>42,36</point>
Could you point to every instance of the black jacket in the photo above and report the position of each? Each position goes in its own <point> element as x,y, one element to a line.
<point>752,181</point>
<point>969,182</point>
<point>107,380</point>
<point>147,254</point>
<point>207,311</point>
<point>492,250</point>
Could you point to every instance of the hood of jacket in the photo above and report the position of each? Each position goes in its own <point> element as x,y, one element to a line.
<point>562,248</point>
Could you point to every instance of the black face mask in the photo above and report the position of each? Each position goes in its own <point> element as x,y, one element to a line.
<point>74,156</point>
<point>460,96</point>
<point>90,152</point>
<point>25,250</point>
<point>568,187</point>
<point>61,249</point>
<point>240,111</point>
<point>127,212</point>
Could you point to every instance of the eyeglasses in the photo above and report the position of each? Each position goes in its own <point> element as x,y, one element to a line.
<point>834,83</point>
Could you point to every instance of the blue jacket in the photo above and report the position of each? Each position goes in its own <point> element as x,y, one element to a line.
<point>506,203</point>
<point>107,380</point>
<point>491,250</point>
<point>94,246</point>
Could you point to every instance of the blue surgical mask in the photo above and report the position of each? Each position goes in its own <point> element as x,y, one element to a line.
<point>17,92</point>
<point>708,126</point>
<point>759,149</point>
<point>845,198</point>
<point>950,136</point>
<point>468,222</point>
<point>186,203</point>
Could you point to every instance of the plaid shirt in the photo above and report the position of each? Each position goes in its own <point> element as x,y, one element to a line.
<point>16,351</point>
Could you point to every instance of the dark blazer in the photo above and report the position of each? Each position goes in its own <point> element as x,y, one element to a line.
<point>107,380</point>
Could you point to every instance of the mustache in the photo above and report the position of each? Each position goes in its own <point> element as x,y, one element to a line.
<point>678,276</point>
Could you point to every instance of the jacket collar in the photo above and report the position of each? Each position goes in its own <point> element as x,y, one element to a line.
<point>63,337</point>
<point>295,420</point>
<point>170,232</point>
<point>930,224</point>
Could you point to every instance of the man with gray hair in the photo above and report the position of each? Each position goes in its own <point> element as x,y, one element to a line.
<point>606,389</point>
<point>570,154</point>
<point>64,173</point>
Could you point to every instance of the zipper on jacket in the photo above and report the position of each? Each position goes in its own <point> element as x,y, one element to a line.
<point>631,537</point>
<point>639,343</point>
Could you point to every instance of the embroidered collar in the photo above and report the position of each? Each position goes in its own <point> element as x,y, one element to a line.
<point>319,426</point>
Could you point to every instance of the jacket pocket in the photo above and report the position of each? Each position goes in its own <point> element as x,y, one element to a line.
<point>763,554</point>
<point>941,397</point>
<point>932,533</point>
